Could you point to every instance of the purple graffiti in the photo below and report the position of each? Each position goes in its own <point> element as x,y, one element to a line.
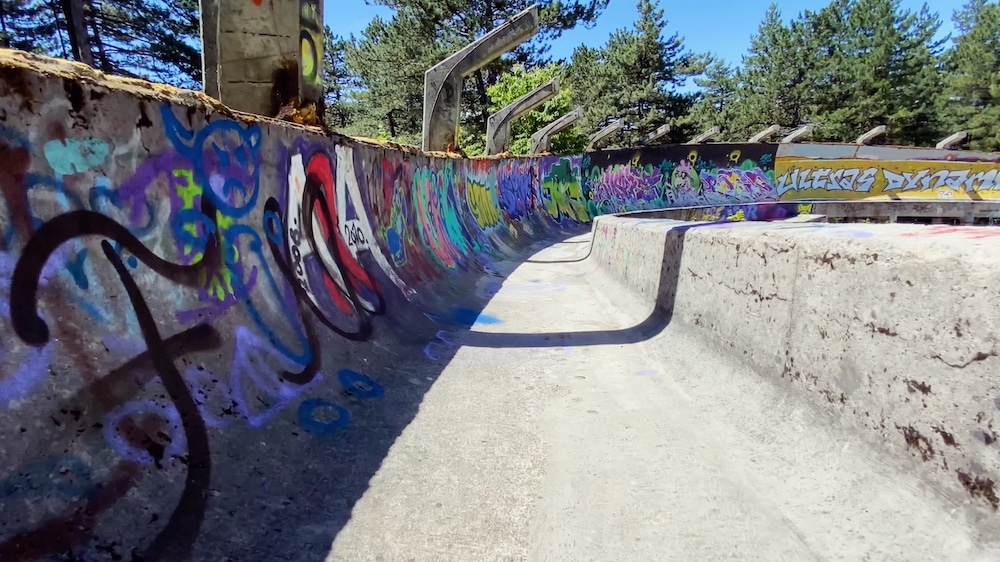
<point>515,183</point>
<point>627,183</point>
<point>256,367</point>
<point>17,382</point>
<point>735,185</point>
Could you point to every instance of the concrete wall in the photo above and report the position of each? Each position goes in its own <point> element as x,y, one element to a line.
<point>892,330</point>
<point>627,180</point>
<point>215,326</point>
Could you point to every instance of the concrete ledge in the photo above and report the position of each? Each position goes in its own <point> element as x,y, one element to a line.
<point>893,330</point>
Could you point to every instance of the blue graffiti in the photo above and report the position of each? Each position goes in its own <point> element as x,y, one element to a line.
<point>463,317</point>
<point>74,156</point>
<point>515,190</point>
<point>360,385</point>
<point>229,175</point>
<point>307,417</point>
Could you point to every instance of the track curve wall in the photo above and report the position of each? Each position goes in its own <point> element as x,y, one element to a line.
<point>190,298</point>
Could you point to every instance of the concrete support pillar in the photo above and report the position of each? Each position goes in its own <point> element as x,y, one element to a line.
<point>795,135</point>
<point>604,133</point>
<point>249,45</point>
<point>443,81</point>
<point>540,141</point>
<point>210,47</point>
<point>705,136</point>
<point>870,135</point>
<point>658,133</point>
<point>952,141</point>
<point>310,51</point>
<point>765,134</point>
<point>498,125</point>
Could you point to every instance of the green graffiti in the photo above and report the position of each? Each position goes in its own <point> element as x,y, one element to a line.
<point>218,284</point>
<point>563,194</point>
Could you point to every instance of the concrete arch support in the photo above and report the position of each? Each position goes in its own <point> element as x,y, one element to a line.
<point>443,81</point>
<point>540,141</point>
<point>498,125</point>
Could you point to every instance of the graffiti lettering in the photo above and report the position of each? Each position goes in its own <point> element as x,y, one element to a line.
<point>899,178</point>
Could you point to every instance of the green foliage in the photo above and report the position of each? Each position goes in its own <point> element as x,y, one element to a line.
<point>520,81</point>
<point>388,62</point>
<point>635,77</point>
<point>154,39</point>
<point>33,26</point>
<point>423,32</point>
<point>716,103</point>
<point>972,96</point>
<point>845,68</point>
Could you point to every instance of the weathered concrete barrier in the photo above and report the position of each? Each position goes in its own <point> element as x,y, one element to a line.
<point>893,329</point>
<point>214,326</point>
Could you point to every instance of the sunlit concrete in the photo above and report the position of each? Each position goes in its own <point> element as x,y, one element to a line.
<point>588,426</point>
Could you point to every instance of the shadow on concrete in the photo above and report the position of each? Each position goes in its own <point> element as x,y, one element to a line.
<point>278,491</point>
<point>409,352</point>
<point>655,323</point>
<point>590,250</point>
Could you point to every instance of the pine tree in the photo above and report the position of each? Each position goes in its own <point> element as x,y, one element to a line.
<point>338,82</point>
<point>716,99</point>
<point>882,70</point>
<point>635,77</point>
<point>36,26</point>
<point>154,39</point>
<point>771,86</point>
<point>965,17</point>
<point>971,101</point>
<point>459,22</point>
<point>389,60</point>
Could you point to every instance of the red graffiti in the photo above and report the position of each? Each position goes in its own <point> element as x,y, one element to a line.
<point>319,172</point>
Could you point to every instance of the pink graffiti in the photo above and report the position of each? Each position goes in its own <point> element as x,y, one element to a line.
<point>624,182</point>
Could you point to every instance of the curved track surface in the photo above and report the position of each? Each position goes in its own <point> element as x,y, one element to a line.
<point>227,338</point>
<point>588,427</point>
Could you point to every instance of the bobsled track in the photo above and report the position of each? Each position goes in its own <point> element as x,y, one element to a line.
<point>226,337</point>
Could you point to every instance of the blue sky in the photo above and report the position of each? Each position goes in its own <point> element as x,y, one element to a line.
<point>722,27</point>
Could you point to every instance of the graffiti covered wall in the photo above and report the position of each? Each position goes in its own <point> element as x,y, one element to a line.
<point>814,171</point>
<point>203,314</point>
<point>678,176</point>
<point>213,328</point>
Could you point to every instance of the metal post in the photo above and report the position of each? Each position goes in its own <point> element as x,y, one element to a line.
<point>952,141</point>
<point>605,133</point>
<point>704,136</point>
<point>498,125</point>
<point>766,133</point>
<point>540,141</point>
<point>210,47</point>
<point>443,81</point>
<point>870,135</point>
<point>797,134</point>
